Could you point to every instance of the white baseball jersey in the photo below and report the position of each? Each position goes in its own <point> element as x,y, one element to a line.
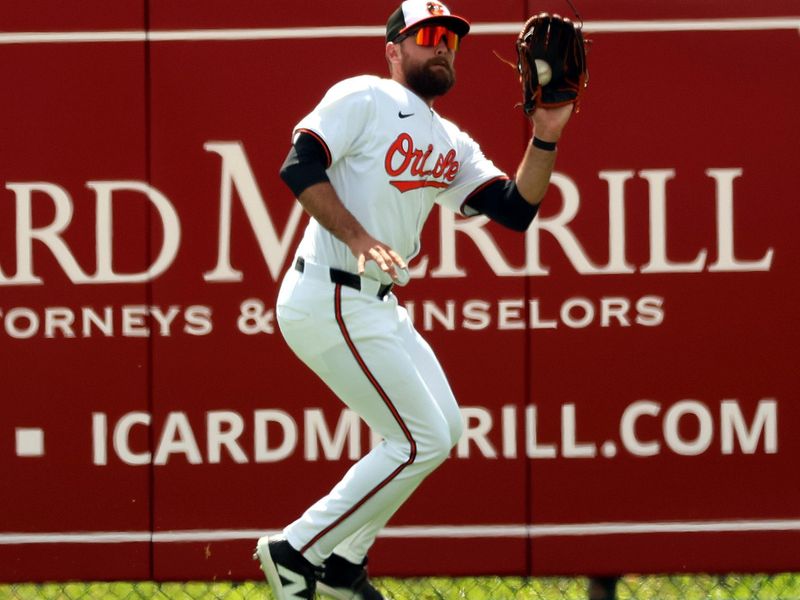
<point>391,157</point>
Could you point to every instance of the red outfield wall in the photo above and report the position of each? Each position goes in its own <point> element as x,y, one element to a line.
<point>626,369</point>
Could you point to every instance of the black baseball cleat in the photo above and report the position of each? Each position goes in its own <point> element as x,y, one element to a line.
<point>288,573</point>
<point>344,580</point>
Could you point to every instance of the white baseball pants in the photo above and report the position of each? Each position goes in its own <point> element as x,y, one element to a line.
<point>368,352</point>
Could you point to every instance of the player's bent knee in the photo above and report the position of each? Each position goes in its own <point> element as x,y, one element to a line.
<point>435,449</point>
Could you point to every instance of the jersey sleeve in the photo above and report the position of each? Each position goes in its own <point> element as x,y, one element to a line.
<point>340,119</point>
<point>475,171</point>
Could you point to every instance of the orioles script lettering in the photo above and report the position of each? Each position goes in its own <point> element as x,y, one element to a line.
<point>414,161</point>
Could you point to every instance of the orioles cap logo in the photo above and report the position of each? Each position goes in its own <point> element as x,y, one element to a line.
<point>435,8</point>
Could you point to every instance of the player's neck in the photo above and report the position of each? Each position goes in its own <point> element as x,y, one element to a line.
<point>401,80</point>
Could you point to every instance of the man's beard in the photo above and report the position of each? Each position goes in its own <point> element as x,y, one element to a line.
<point>429,81</point>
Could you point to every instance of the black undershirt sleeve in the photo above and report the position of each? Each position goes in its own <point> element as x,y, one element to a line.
<point>502,202</point>
<point>305,164</point>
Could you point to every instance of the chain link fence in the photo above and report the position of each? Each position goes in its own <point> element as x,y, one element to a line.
<point>784,586</point>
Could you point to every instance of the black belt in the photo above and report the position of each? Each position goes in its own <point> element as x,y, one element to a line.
<point>344,278</point>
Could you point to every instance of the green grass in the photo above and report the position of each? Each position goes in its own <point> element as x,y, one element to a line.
<point>675,587</point>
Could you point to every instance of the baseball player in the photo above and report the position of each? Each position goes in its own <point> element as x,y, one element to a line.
<point>368,164</point>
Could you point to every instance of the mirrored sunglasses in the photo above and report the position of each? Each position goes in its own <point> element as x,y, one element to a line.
<point>431,35</point>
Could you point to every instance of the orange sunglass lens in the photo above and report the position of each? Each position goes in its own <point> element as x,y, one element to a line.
<point>432,35</point>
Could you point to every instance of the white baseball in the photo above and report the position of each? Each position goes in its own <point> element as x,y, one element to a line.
<point>373,271</point>
<point>403,276</point>
<point>544,72</point>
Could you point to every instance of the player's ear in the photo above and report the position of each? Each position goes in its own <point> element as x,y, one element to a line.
<point>392,53</point>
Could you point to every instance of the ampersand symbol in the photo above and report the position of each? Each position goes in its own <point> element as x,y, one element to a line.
<point>254,319</point>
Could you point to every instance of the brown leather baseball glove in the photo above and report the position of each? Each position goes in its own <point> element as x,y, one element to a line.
<point>560,44</point>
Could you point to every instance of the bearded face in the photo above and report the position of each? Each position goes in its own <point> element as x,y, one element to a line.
<point>431,78</point>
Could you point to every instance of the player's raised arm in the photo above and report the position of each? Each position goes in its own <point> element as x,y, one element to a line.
<point>514,202</point>
<point>551,61</point>
<point>536,167</point>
